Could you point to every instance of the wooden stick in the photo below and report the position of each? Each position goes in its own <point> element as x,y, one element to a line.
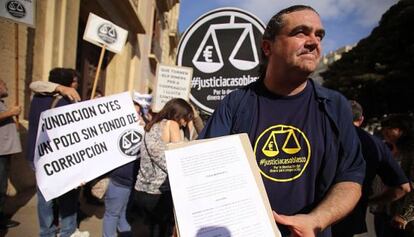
<point>95,82</point>
<point>16,67</point>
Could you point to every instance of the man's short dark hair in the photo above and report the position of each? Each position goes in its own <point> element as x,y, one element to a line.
<point>404,122</point>
<point>63,76</point>
<point>357,110</point>
<point>276,22</point>
<point>273,28</point>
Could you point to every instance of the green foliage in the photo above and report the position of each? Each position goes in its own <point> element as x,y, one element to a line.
<point>379,71</point>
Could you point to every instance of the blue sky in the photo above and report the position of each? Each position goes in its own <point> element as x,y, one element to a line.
<point>345,21</point>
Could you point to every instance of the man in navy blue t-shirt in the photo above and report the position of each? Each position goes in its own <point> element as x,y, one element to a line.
<point>305,144</point>
<point>379,161</point>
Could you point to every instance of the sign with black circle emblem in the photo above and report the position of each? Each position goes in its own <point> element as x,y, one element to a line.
<point>104,33</point>
<point>20,11</point>
<point>84,141</point>
<point>16,9</point>
<point>129,142</point>
<point>107,33</point>
<point>223,48</point>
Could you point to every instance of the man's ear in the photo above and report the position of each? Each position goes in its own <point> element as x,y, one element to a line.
<point>266,47</point>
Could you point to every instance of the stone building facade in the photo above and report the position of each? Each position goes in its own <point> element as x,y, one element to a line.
<point>57,41</point>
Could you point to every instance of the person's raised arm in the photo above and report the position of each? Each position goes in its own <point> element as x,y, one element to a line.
<point>69,92</point>
<point>46,87</point>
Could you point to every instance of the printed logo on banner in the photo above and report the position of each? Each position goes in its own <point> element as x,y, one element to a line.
<point>16,9</point>
<point>223,48</point>
<point>107,33</point>
<point>129,142</point>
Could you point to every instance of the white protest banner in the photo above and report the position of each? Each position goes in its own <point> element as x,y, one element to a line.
<point>104,33</point>
<point>172,82</point>
<point>79,142</point>
<point>19,11</point>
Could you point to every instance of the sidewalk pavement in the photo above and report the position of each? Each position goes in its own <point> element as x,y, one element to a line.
<point>22,207</point>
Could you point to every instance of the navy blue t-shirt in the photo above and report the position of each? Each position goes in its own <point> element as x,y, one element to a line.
<point>288,141</point>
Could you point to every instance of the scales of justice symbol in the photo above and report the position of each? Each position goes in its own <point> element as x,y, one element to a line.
<point>290,146</point>
<point>208,65</point>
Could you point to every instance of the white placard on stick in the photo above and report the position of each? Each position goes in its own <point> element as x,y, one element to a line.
<point>19,11</point>
<point>79,142</point>
<point>172,82</point>
<point>102,32</point>
<point>217,189</point>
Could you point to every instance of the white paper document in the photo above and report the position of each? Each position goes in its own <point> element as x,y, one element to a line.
<point>217,189</point>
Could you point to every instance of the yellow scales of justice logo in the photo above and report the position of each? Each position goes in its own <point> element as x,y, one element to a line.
<point>290,146</point>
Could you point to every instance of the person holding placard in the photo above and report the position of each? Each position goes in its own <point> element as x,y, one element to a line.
<point>121,182</point>
<point>304,141</point>
<point>68,202</point>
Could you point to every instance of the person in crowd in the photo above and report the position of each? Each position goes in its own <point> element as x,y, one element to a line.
<point>398,132</point>
<point>9,145</point>
<point>121,183</point>
<point>67,204</point>
<point>51,88</point>
<point>302,134</point>
<point>379,161</point>
<point>152,206</point>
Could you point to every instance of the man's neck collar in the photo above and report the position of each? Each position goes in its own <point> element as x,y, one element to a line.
<point>285,87</point>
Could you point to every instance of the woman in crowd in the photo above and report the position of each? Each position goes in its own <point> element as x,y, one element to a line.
<point>152,201</point>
